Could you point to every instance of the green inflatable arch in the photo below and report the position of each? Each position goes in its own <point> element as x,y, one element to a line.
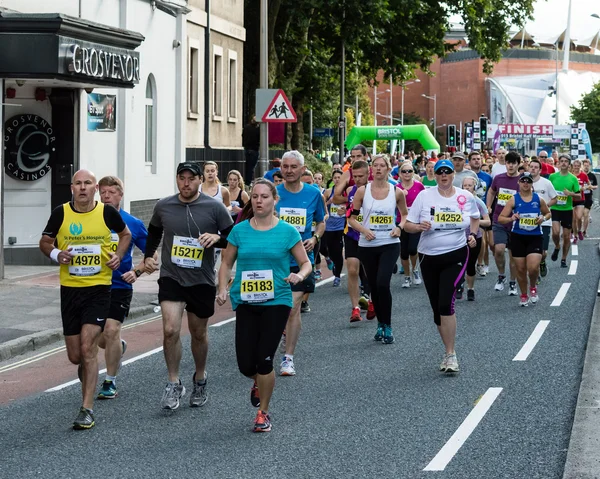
<point>393,132</point>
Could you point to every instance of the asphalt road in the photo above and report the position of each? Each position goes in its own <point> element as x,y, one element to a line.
<point>356,408</point>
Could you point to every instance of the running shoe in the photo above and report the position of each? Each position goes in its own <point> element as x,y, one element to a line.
<point>401,269</point>
<point>199,396</point>
<point>84,420</point>
<point>500,283</point>
<point>329,264</point>
<point>363,302</point>
<point>108,391</point>
<point>479,269</point>
<point>572,237</point>
<point>254,396</point>
<point>282,343</point>
<point>173,393</point>
<point>533,296</point>
<point>470,295</point>
<point>287,367</point>
<point>543,269</point>
<point>371,311</point>
<point>336,282</point>
<point>451,363</point>
<point>262,423</point>
<point>318,275</point>
<point>444,363</point>
<point>563,263</point>
<point>355,316</point>
<point>580,236</point>
<point>407,282</point>
<point>524,300</point>
<point>512,289</point>
<point>486,269</point>
<point>388,337</point>
<point>459,292</point>
<point>379,333</point>
<point>417,277</point>
<point>304,307</point>
<point>574,240</point>
<point>554,256</point>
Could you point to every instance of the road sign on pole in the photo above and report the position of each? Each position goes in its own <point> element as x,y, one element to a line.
<point>279,109</point>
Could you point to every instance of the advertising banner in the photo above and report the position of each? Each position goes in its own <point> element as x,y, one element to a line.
<point>101,112</point>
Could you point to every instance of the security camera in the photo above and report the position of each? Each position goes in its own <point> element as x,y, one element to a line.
<point>176,43</point>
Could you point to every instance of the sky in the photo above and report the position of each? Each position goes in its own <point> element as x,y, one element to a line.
<point>550,18</point>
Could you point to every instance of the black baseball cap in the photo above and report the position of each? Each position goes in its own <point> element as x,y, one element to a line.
<point>194,168</point>
<point>526,176</point>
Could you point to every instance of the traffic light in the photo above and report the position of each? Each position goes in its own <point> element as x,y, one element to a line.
<point>451,135</point>
<point>458,138</point>
<point>483,123</point>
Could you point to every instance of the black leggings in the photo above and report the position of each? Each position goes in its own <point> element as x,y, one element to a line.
<point>317,253</point>
<point>379,262</point>
<point>441,274</point>
<point>408,245</point>
<point>258,330</point>
<point>473,255</point>
<point>333,243</point>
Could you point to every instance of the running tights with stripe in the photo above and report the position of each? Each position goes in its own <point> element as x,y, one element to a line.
<point>334,245</point>
<point>442,274</point>
<point>379,264</point>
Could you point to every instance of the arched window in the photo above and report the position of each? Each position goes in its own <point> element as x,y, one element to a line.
<point>151,122</point>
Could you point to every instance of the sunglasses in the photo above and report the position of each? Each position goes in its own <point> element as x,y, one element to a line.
<point>444,171</point>
<point>525,181</point>
<point>406,171</point>
<point>543,157</point>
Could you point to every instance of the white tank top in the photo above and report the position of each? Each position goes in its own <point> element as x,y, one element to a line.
<point>380,217</point>
<point>218,195</point>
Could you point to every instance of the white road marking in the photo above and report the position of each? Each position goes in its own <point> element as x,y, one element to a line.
<point>573,267</point>
<point>222,323</point>
<point>442,458</point>
<point>525,351</point>
<point>562,293</point>
<point>575,249</point>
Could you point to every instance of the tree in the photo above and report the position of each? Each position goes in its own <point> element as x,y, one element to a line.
<point>588,111</point>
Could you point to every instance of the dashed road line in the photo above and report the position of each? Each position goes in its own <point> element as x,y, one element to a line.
<point>562,293</point>
<point>527,348</point>
<point>573,267</point>
<point>443,458</point>
<point>574,250</point>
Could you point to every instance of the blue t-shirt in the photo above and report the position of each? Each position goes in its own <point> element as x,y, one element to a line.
<point>528,215</point>
<point>485,181</point>
<point>139,233</point>
<point>300,210</point>
<point>260,252</point>
<point>269,174</point>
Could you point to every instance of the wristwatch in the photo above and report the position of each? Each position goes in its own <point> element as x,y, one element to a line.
<point>138,273</point>
<point>318,237</point>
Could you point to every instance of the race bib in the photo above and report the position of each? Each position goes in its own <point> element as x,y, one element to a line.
<point>447,219</point>
<point>257,286</point>
<point>561,200</point>
<point>333,210</point>
<point>87,260</point>
<point>295,217</point>
<point>381,222</point>
<point>186,252</point>
<point>504,195</point>
<point>313,227</point>
<point>114,242</point>
<point>359,218</point>
<point>528,221</point>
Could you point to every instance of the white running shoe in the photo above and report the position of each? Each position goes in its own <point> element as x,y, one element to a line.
<point>500,284</point>
<point>287,367</point>
<point>407,282</point>
<point>524,301</point>
<point>512,289</point>
<point>533,296</point>
<point>452,363</point>
<point>417,277</point>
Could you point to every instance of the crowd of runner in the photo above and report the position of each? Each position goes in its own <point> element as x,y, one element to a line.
<point>443,217</point>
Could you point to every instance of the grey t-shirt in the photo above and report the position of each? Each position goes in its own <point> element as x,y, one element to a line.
<point>183,259</point>
<point>459,177</point>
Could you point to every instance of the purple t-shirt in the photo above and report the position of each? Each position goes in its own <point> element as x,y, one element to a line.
<point>411,194</point>
<point>505,187</point>
<point>355,235</point>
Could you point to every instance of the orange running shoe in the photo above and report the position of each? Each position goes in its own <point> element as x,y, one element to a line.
<point>262,423</point>
<point>355,317</point>
<point>371,311</point>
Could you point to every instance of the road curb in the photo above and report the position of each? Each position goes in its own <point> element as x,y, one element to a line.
<point>34,341</point>
<point>583,460</point>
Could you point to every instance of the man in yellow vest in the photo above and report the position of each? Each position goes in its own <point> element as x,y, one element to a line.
<point>78,237</point>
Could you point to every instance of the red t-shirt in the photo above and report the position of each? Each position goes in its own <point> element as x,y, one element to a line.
<point>547,169</point>
<point>583,179</point>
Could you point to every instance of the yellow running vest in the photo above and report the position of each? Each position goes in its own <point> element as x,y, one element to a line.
<point>90,239</point>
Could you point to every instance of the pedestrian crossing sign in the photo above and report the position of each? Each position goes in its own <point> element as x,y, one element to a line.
<point>280,110</point>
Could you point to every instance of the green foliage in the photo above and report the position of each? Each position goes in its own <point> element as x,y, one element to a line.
<point>588,111</point>
<point>317,166</point>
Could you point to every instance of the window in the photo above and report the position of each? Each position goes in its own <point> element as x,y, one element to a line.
<point>151,121</point>
<point>217,82</point>
<point>193,81</point>
<point>232,91</point>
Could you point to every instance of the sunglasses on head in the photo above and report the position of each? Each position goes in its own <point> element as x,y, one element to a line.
<point>406,171</point>
<point>444,171</point>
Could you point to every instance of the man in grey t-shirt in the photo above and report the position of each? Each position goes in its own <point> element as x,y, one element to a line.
<point>458,159</point>
<point>193,225</point>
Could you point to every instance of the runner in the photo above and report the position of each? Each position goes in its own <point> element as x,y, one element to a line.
<point>485,181</point>
<point>357,153</point>
<point>299,205</point>
<point>429,179</point>
<point>526,211</point>
<point>260,294</point>
<point>579,202</point>
<point>81,230</point>
<point>460,173</point>
<point>443,251</point>
<point>546,191</point>
<point>567,188</point>
<point>334,230</point>
<point>191,222</point>
<point>378,246</point>
<point>111,193</point>
<point>470,184</point>
<point>547,168</point>
<point>355,270</point>
<point>277,178</point>
<point>409,241</point>
<point>211,186</point>
<point>237,194</point>
<point>589,197</point>
<point>504,186</point>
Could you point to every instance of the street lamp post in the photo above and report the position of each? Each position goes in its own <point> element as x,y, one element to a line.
<point>375,115</point>
<point>403,88</point>
<point>434,98</point>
